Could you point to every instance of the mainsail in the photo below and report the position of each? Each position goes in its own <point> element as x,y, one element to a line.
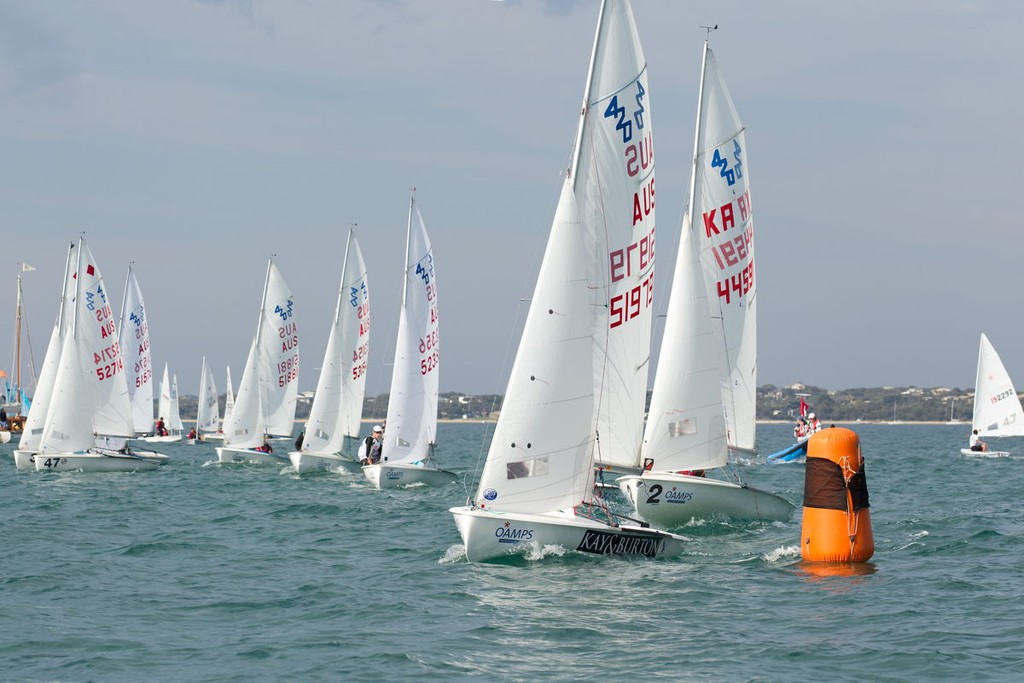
<point>724,225</point>
<point>412,406</point>
<point>997,410</point>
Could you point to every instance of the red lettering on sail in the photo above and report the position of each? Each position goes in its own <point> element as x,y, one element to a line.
<point>639,156</point>
<point>744,205</point>
<point>643,202</point>
<point>634,259</point>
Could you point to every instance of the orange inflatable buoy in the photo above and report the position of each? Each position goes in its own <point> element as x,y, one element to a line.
<point>836,520</point>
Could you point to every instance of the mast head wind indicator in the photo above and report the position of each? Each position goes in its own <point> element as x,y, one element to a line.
<point>708,30</point>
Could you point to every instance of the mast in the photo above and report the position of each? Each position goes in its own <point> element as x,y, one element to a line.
<point>344,274</point>
<point>124,300</point>
<point>408,242</point>
<point>574,164</point>
<point>259,347</point>
<point>17,345</point>
<point>78,288</point>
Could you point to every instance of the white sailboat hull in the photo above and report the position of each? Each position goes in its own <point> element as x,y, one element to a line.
<point>671,500</point>
<point>98,461</point>
<point>984,454</point>
<point>170,438</point>
<point>5,436</point>
<point>228,455</point>
<point>490,535</point>
<point>24,460</point>
<point>384,476</point>
<point>307,463</point>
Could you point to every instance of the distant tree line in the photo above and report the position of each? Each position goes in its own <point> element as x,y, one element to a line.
<point>878,404</point>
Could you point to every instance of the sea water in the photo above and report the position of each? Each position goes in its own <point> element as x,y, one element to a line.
<point>207,572</point>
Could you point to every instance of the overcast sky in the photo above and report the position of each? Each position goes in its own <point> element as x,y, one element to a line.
<point>196,139</point>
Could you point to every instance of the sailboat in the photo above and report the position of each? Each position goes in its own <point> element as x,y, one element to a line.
<point>537,484</point>
<point>138,359</point>
<point>952,420</point>
<point>997,410</point>
<point>15,401</point>
<point>229,405</point>
<point>28,446</point>
<point>687,428</point>
<point>267,394</point>
<point>89,403</point>
<point>894,421</point>
<point>207,406</point>
<point>338,403</point>
<point>167,409</point>
<point>411,427</point>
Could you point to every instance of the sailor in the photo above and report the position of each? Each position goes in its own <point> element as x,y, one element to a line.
<point>976,443</point>
<point>814,424</point>
<point>800,430</point>
<point>371,447</point>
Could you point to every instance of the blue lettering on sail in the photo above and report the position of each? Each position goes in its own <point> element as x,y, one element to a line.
<point>733,174</point>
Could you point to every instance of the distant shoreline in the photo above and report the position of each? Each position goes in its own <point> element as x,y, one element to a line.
<point>874,422</point>
<point>484,420</point>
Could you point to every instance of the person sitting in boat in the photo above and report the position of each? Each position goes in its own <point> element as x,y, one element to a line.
<point>264,447</point>
<point>366,449</point>
<point>300,439</point>
<point>192,433</point>
<point>800,430</point>
<point>813,424</point>
<point>976,443</point>
<point>374,453</point>
<point>3,419</point>
<point>161,428</point>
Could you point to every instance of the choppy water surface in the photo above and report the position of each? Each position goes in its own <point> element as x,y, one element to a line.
<point>203,572</point>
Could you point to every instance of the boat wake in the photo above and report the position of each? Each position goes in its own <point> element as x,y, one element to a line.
<point>784,553</point>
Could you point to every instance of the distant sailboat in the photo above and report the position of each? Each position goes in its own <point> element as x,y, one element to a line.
<point>167,410</point>
<point>411,427</point>
<point>997,409</point>
<point>337,407</point>
<point>229,405</point>
<point>138,359</point>
<point>267,394</point>
<point>35,421</point>
<point>15,399</point>
<point>952,420</point>
<point>587,322</point>
<point>207,406</point>
<point>894,421</point>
